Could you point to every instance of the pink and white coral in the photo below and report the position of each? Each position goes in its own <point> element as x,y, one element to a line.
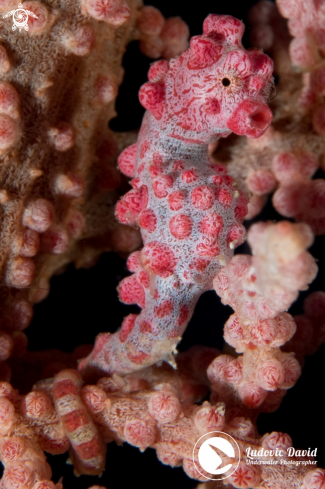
<point>189,210</point>
<point>260,288</point>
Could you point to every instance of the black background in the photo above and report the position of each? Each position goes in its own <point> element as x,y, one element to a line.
<point>83,303</point>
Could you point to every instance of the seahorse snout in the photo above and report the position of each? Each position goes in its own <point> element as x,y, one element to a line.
<point>250,119</point>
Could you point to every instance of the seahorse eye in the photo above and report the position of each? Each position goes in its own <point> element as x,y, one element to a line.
<point>225,82</point>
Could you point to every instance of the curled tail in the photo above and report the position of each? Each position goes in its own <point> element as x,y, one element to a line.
<point>149,337</point>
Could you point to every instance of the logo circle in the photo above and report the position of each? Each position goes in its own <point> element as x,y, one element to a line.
<point>216,455</point>
<point>20,17</point>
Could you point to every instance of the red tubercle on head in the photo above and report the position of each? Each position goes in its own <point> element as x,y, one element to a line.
<point>152,97</point>
<point>223,28</point>
<point>261,64</point>
<point>158,70</point>
<point>204,52</point>
<point>238,61</point>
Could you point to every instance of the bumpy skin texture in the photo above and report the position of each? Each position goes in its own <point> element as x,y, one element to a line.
<point>260,288</point>
<point>188,209</point>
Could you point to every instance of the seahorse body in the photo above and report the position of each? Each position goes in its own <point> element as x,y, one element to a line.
<point>187,207</point>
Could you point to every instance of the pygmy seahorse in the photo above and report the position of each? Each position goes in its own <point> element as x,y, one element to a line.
<point>187,207</point>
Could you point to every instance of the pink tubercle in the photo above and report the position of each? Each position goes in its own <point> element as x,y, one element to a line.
<point>63,136</point>
<point>114,12</point>
<point>41,23</point>
<point>71,185</point>
<point>164,406</point>
<point>21,272</point>
<point>37,405</point>
<point>9,131</point>
<point>139,433</point>
<point>55,240</point>
<point>30,243</point>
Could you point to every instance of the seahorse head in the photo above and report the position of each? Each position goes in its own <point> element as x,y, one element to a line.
<point>214,88</point>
